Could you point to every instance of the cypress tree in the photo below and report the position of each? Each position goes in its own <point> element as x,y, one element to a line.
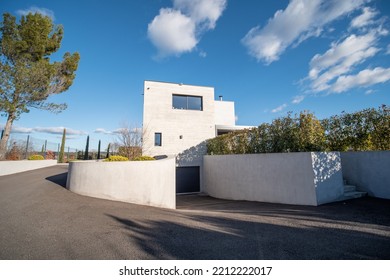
<point>108,151</point>
<point>61,155</point>
<point>98,155</point>
<point>86,149</point>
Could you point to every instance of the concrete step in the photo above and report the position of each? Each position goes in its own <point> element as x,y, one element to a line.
<point>354,194</point>
<point>349,188</point>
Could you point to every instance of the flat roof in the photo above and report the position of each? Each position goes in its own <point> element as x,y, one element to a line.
<point>173,83</point>
<point>233,127</point>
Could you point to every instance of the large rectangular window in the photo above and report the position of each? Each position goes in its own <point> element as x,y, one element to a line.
<point>187,102</point>
<point>158,139</point>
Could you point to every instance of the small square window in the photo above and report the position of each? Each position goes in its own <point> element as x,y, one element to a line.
<point>158,139</point>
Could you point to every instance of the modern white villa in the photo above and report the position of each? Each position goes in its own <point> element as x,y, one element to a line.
<point>177,120</point>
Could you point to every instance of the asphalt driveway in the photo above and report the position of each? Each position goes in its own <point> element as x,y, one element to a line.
<point>40,219</point>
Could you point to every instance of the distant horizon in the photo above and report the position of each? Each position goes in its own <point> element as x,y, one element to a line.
<point>268,57</point>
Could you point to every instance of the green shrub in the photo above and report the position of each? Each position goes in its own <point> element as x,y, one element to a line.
<point>143,158</point>
<point>116,158</point>
<point>36,157</point>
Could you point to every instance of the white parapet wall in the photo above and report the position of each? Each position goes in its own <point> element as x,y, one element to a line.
<point>16,166</point>
<point>141,182</point>
<point>368,171</point>
<point>289,178</point>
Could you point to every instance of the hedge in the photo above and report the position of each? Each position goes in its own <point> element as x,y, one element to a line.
<point>364,130</point>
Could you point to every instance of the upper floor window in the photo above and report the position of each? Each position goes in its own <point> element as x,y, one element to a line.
<point>187,102</point>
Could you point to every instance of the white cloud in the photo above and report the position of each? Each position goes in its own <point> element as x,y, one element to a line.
<point>178,30</point>
<point>300,20</point>
<point>298,99</point>
<point>36,10</point>
<point>118,130</point>
<point>172,32</point>
<point>340,59</point>
<point>202,54</point>
<point>203,12</point>
<point>21,130</point>
<point>370,91</point>
<point>364,78</point>
<point>366,18</point>
<point>58,130</point>
<point>280,108</point>
<point>50,130</point>
<point>388,49</point>
<point>102,130</point>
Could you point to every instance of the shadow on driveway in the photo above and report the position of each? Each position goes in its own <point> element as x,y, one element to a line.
<point>59,179</point>
<point>218,229</point>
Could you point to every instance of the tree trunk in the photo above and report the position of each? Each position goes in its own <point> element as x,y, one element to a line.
<point>4,140</point>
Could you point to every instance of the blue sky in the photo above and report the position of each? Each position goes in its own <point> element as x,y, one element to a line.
<point>270,57</point>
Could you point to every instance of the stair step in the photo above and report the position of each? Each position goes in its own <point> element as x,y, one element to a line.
<point>349,188</point>
<point>355,194</point>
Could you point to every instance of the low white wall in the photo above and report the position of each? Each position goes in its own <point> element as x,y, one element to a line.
<point>368,171</point>
<point>16,166</point>
<point>289,178</point>
<point>141,182</point>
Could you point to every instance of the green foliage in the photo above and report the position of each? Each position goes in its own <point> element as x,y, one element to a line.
<point>86,149</point>
<point>368,129</point>
<point>62,150</point>
<point>108,151</point>
<point>143,158</point>
<point>98,154</point>
<point>27,77</point>
<point>36,157</point>
<point>286,134</point>
<point>116,158</point>
<point>365,130</point>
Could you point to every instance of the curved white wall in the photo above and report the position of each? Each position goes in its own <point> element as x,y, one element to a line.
<point>141,182</point>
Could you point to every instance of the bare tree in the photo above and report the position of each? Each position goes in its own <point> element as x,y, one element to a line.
<point>129,140</point>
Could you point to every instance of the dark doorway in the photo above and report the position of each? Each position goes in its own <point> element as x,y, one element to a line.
<point>187,179</point>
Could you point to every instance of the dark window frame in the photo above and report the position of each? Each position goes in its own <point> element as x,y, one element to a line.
<point>159,142</point>
<point>187,102</point>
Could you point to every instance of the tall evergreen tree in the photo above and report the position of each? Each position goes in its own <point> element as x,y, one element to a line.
<point>27,77</point>
<point>98,155</point>
<point>62,149</point>
<point>108,151</point>
<point>86,149</point>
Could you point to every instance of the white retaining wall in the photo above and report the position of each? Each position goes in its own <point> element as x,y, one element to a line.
<point>290,178</point>
<point>141,182</point>
<point>368,171</point>
<point>16,166</point>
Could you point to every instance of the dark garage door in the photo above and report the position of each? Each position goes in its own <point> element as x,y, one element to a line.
<point>187,179</point>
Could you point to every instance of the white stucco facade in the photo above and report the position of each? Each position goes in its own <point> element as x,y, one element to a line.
<point>183,131</point>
